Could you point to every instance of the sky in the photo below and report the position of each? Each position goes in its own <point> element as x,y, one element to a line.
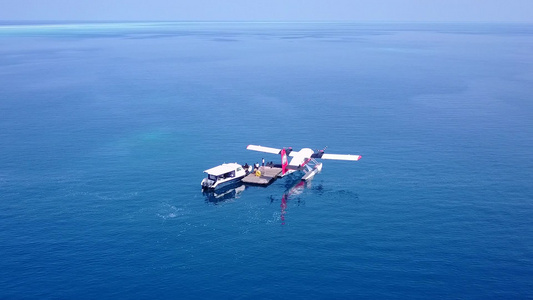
<point>270,10</point>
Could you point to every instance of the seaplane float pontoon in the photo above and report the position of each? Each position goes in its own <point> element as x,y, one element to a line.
<point>223,176</point>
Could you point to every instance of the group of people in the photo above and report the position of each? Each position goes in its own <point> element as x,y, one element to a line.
<point>256,165</point>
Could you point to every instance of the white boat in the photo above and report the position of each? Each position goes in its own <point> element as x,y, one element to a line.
<point>223,175</point>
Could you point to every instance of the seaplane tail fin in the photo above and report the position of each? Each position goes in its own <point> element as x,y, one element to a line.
<point>284,161</point>
<point>341,156</point>
<point>264,149</point>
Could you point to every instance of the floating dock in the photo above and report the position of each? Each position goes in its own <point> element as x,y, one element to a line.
<point>268,175</point>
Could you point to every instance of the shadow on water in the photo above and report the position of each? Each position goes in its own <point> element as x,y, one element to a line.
<point>294,186</point>
<point>224,194</point>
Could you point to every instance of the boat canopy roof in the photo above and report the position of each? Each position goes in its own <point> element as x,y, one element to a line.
<point>223,169</point>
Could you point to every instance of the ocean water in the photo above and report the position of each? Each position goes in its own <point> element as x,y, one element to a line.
<point>105,130</point>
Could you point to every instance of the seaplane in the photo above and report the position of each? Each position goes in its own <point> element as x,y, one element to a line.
<point>304,160</point>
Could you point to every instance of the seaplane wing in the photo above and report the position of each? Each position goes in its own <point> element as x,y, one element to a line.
<point>341,156</point>
<point>305,153</point>
<point>268,149</point>
<point>264,149</point>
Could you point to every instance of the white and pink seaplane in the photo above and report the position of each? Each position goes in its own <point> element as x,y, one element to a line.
<point>303,160</point>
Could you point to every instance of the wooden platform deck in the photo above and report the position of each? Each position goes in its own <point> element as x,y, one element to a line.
<point>268,175</point>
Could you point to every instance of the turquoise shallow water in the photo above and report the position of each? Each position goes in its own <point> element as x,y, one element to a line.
<point>105,130</point>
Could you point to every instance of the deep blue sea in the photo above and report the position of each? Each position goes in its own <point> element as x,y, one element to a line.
<point>105,130</point>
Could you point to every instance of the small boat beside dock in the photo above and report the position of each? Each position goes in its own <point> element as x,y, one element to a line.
<point>223,175</point>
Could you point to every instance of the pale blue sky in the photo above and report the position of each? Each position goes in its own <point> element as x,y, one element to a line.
<point>271,10</point>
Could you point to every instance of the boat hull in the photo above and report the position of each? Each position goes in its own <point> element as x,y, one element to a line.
<point>223,184</point>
